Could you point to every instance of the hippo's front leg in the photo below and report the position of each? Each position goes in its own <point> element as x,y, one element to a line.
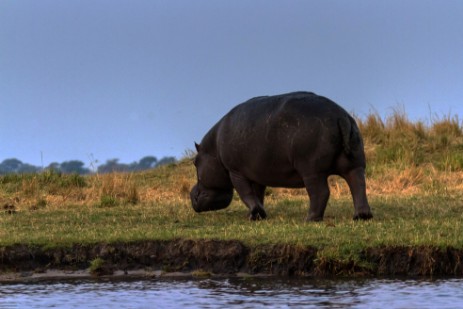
<point>251,194</point>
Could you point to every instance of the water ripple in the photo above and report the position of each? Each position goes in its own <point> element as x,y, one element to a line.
<point>234,293</point>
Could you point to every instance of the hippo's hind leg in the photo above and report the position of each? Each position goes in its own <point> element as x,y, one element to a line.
<point>252,194</point>
<point>355,178</point>
<point>319,193</point>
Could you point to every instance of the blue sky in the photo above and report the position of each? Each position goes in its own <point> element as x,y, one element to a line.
<point>96,80</point>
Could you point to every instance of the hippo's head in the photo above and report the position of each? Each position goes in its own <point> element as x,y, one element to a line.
<point>213,190</point>
<point>205,199</point>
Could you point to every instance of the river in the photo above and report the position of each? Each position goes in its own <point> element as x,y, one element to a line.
<point>233,293</point>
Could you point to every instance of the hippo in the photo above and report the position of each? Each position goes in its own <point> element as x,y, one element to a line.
<point>291,140</point>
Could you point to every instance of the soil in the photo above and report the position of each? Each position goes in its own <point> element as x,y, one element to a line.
<point>214,257</point>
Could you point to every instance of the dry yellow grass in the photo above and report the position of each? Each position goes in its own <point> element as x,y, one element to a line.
<point>161,186</point>
<point>404,158</point>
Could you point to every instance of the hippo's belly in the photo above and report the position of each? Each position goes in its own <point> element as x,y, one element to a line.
<point>267,173</point>
<point>292,180</point>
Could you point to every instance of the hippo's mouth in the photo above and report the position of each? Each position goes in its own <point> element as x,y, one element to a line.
<point>194,196</point>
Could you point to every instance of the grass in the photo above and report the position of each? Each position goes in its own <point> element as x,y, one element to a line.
<point>414,179</point>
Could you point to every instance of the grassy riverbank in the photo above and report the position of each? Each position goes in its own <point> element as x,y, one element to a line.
<point>415,188</point>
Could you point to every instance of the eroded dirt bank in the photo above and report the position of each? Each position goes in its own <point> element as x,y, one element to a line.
<point>229,258</point>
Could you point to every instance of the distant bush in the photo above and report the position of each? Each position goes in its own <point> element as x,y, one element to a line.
<point>15,166</point>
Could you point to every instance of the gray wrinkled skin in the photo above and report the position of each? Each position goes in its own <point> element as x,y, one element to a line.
<point>291,140</point>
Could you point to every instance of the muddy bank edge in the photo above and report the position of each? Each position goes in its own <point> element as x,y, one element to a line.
<point>229,258</point>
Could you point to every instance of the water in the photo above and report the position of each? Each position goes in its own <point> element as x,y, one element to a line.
<point>234,293</point>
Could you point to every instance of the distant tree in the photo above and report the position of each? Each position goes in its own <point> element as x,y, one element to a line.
<point>28,168</point>
<point>113,165</point>
<point>147,163</point>
<point>74,166</point>
<point>54,166</point>
<point>10,166</point>
<point>13,165</point>
<point>166,160</point>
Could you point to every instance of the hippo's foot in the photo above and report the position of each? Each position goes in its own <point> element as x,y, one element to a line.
<point>257,213</point>
<point>313,219</point>
<point>363,216</point>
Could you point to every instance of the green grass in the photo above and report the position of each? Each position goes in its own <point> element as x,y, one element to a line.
<point>413,221</point>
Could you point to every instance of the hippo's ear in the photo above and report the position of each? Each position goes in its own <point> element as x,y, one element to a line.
<point>197,146</point>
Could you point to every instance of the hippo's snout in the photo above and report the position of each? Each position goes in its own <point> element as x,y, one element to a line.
<point>205,199</point>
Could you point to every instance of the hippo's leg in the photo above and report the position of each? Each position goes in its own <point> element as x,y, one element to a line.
<point>319,193</point>
<point>251,194</point>
<point>356,181</point>
<point>259,190</point>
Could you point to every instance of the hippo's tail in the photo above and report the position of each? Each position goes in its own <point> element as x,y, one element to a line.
<point>350,134</point>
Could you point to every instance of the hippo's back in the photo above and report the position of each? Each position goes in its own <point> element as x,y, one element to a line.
<point>281,110</point>
<point>267,138</point>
